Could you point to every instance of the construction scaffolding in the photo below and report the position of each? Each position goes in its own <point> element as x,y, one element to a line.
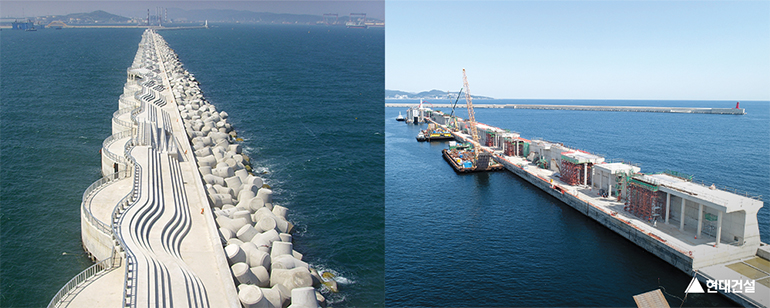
<point>490,137</point>
<point>644,199</point>
<point>574,173</point>
<point>575,167</point>
<point>509,147</point>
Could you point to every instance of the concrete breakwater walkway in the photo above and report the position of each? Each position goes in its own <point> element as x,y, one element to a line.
<point>734,111</point>
<point>170,168</point>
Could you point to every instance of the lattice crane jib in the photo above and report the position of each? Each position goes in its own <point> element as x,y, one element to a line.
<point>471,115</point>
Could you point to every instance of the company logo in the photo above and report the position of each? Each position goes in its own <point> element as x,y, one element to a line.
<point>694,286</point>
<point>725,285</point>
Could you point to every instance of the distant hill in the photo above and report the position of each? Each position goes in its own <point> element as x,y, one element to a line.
<point>229,16</point>
<point>213,15</point>
<point>177,15</point>
<point>432,94</point>
<point>99,16</point>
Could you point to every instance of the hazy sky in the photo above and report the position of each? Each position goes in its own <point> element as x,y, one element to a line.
<point>139,8</point>
<point>581,50</point>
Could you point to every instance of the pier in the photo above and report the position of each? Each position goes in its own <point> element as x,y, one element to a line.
<point>704,231</point>
<point>733,111</point>
<point>171,168</point>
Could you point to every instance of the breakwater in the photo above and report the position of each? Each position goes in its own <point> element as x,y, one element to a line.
<point>696,228</point>
<point>733,111</point>
<point>142,220</point>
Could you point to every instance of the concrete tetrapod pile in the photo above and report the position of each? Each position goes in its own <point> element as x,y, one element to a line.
<point>255,233</point>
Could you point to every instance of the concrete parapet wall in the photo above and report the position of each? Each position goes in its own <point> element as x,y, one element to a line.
<point>108,167</point>
<point>763,251</point>
<point>96,243</point>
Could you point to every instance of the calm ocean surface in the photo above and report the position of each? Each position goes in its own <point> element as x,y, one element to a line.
<point>307,100</point>
<point>493,239</point>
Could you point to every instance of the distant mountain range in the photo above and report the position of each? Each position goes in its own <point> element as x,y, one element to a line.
<point>213,15</point>
<point>176,15</point>
<point>95,17</point>
<point>432,94</point>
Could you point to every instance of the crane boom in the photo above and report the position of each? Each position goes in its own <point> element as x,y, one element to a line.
<point>471,115</point>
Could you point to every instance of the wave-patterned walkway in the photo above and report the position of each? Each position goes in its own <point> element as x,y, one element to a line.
<point>152,230</point>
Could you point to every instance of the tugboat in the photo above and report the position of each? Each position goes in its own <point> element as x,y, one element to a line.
<point>400,117</point>
<point>421,136</point>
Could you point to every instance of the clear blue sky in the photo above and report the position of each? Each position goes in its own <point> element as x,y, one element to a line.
<point>710,50</point>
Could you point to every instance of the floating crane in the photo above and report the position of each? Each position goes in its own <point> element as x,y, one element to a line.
<point>484,159</point>
<point>471,116</point>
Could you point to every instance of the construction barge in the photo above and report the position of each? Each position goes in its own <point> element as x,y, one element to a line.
<point>462,160</point>
<point>706,232</point>
<point>434,133</point>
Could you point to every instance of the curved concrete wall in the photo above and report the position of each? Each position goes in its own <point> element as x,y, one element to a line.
<point>97,243</point>
<point>108,165</point>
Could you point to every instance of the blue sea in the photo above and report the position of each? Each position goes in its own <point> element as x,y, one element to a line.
<point>493,239</point>
<point>307,100</point>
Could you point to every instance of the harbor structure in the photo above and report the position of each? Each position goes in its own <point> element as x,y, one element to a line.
<point>685,110</point>
<point>178,218</point>
<point>705,231</point>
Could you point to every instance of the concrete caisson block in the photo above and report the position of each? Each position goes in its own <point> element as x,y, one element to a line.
<point>263,277</point>
<point>291,278</point>
<point>242,214</point>
<point>235,241</point>
<point>257,181</point>
<point>243,274</point>
<point>254,256</point>
<point>285,237</point>
<point>225,234</point>
<point>213,179</point>
<point>204,170</point>
<point>210,161</point>
<point>246,233</point>
<point>243,174</point>
<point>304,297</point>
<point>236,148</point>
<point>234,182</point>
<point>281,248</point>
<point>252,297</point>
<point>286,262</point>
<point>255,204</point>
<point>280,211</point>
<point>273,296</point>
<point>266,195</point>
<point>266,224</point>
<point>235,254</point>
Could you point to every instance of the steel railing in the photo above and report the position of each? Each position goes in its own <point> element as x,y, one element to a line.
<point>114,137</point>
<point>117,120</point>
<point>86,204</point>
<point>113,261</point>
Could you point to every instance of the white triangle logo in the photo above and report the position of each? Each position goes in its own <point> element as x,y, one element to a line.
<point>694,286</point>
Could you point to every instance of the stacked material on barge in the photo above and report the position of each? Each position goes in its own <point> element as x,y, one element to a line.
<point>150,222</point>
<point>434,133</point>
<point>461,158</point>
<point>702,230</point>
